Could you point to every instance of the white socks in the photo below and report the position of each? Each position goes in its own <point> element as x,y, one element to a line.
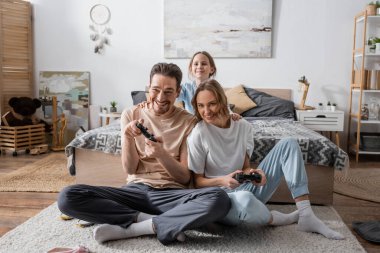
<point>144,216</point>
<point>143,226</point>
<point>107,232</point>
<point>280,219</point>
<point>308,222</point>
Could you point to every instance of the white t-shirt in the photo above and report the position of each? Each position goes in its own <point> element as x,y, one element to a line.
<point>218,151</point>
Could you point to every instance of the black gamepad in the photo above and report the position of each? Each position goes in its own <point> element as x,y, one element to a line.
<point>145,132</point>
<point>241,177</point>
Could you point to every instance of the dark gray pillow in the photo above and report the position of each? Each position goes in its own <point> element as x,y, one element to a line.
<point>138,97</point>
<point>268,106</point>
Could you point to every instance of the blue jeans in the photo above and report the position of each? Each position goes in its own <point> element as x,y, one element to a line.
<point>248,201</point>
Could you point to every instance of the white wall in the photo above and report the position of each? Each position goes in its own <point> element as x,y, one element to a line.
<point>312,38</point>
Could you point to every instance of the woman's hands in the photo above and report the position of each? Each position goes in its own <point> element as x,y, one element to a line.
<point>263,177</point>
<point>229,181</point>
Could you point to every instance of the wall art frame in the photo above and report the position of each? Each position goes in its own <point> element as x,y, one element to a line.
<point>225,28</point>
<point>72,89</point>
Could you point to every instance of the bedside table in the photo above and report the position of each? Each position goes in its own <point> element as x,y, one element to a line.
<point>107,116</point>
<point>324,121</point>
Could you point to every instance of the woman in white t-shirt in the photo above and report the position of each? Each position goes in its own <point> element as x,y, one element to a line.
<point>219,148</point>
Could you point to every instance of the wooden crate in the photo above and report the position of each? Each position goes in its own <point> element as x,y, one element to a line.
<point>21,137</point>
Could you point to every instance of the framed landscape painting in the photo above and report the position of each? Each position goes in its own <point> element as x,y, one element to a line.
<point>72,92</point>
<point>225,28</point>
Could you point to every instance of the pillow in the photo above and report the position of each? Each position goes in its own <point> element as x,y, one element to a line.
<point>141,96</point>
<point>268,106</point>
<point>138,97</point>
<point>239,99</point>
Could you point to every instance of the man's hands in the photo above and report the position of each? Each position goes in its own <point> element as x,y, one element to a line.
<point>131,130</point>
<point>152,149</point>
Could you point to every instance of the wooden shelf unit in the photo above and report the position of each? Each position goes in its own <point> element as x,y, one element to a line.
<point>364,63</point>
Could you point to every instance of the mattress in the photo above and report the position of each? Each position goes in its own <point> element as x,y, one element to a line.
<point>316,149</point>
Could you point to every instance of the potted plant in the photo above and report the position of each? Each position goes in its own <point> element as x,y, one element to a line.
<point>333,107</point>
<point>104,109</point>
<point>376,42</point>
<point>113,106</point>
<point>371,44</point>
<point>371,8</point>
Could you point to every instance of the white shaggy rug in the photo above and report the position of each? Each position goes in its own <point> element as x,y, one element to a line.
<point>46,231</point>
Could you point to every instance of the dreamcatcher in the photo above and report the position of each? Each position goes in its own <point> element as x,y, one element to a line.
<point>100,16</point>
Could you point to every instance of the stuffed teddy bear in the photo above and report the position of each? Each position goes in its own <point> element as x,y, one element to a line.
<point>23,113</point>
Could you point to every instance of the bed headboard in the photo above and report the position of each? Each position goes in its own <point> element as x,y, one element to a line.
<point>281,93</point>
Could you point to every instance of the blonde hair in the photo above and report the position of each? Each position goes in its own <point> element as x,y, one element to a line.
<point>214,87</point>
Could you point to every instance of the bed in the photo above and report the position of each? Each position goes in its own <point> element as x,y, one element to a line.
<point>94,157</point>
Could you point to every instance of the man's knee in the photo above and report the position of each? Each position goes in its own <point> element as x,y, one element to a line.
<point>66,198</point>
<point>220,201</point>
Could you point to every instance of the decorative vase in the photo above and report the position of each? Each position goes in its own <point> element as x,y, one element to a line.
<point>373,109</point>
<point>377,48</point>
<point>113,109</point>
<point>364,112</point>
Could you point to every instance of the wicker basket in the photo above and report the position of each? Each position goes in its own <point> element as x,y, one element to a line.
<point>371,9</point>
<point>21,137</point>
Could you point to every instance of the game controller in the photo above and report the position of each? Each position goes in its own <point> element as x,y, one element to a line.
<point>241,177</point>
<point>145,132</point>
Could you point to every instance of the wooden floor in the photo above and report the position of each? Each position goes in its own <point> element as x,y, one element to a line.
<point>17,207</point>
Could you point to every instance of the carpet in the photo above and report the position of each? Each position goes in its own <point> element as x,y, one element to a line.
<point>46,231</point>
<point>358,183</point>
<point>48,174</point>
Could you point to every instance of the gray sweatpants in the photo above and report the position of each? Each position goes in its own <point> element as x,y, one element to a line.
<point>177,210</point>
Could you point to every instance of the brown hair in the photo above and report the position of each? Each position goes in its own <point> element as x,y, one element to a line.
<point>210,59</point>
<point>167,69</point>
<point>214,87</point>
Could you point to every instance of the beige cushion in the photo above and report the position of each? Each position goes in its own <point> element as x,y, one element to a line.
<point>239,99</point>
